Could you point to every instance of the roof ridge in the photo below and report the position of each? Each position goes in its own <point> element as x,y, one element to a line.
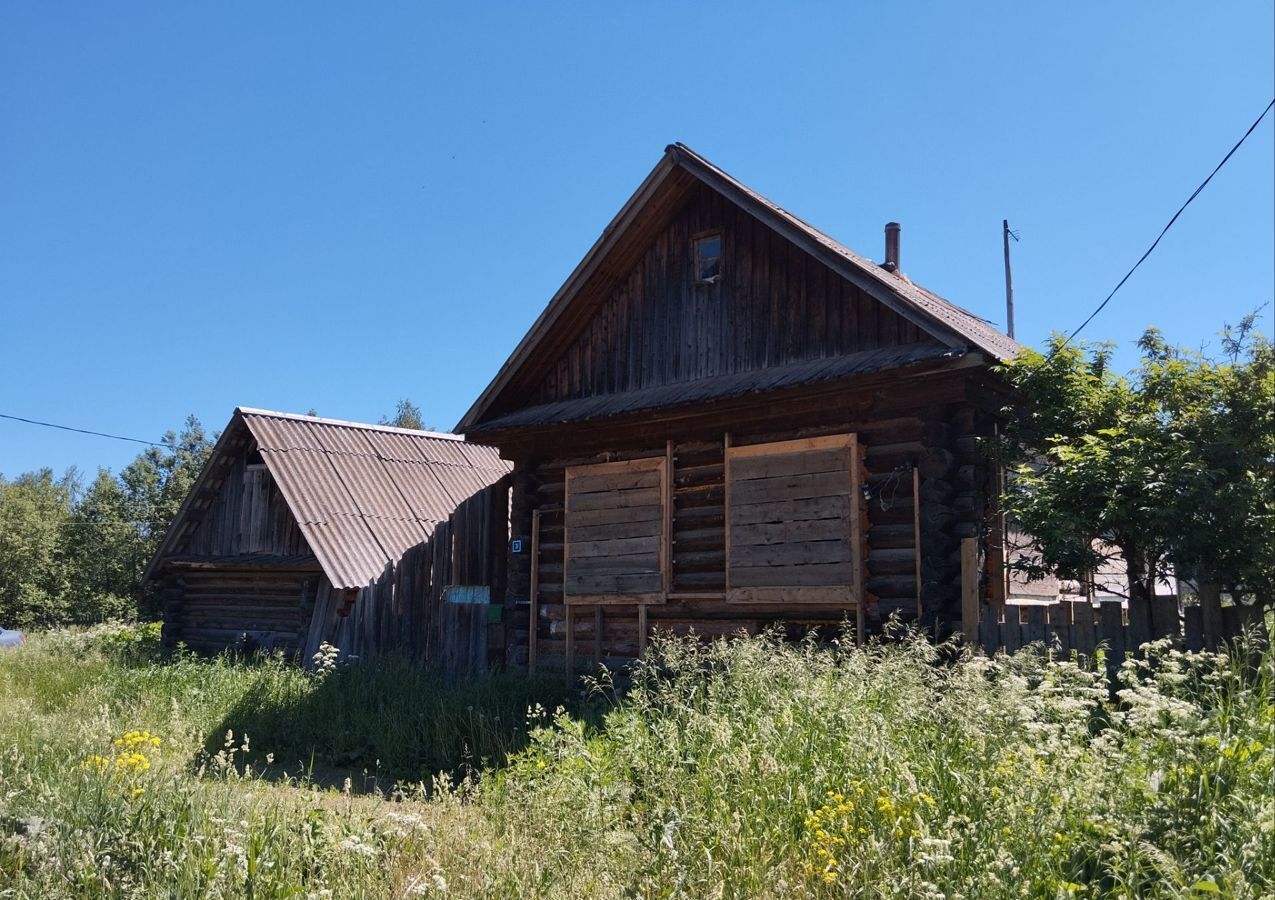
<point>345,423</point>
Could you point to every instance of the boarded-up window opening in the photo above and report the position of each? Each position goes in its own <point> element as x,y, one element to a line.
<point>615,532</point>
<point>793,532</point>
<point>254,510</point>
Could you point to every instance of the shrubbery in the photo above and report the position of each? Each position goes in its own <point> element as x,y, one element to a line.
<point>743,769</point>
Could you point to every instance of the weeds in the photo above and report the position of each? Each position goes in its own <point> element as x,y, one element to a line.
<point>750,768</point>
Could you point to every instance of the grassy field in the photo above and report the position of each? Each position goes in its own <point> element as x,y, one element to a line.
<point>748,769</point>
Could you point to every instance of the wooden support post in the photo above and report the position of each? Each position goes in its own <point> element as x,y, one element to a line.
<point>666,540</point>
<point>533,611</point>
<point>726,443</point>
<point>856,537</point>
<point>571,643</point>
<point>969,588</point>
<point>597,636</point>
<point>1082,627</point>
<point>641,611</point>
<point>1139,624</point>
<point>916,536</point>
<point>1211,614</point>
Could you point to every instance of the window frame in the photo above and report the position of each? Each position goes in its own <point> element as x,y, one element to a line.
<point>841,596</point>
<point>663,523</point>
<point>696,240</point>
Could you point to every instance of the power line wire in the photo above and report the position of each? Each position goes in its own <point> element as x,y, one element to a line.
<point>1203,184</point>
<point>117,437</point>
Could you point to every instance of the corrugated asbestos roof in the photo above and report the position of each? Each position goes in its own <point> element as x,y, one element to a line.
<point>945,321</point>
<point>363,494</point>
<point>601,406</point>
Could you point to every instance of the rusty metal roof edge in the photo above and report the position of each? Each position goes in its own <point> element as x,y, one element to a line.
<point>345,423</point>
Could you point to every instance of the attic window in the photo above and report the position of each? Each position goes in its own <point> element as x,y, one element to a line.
<point>708,257</point>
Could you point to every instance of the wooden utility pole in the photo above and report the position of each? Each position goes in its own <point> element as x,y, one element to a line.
<point>1009,279</point>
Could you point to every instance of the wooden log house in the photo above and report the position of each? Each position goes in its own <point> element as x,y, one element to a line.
<point>725,418</point>
<point>301,530</point>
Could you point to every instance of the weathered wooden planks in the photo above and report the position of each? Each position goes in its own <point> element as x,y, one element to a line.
<point>615,529</point>
<point>781,511</point>
<point>791,507</point>
<point>651,323</point>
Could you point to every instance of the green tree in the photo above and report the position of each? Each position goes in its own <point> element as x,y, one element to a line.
<point>155,485</point>
<point>1222,411</point>
<point>1171,467</point>
<point>105,552</point>
<point>406,415</point>
<point>34,511</point>
<point>74,556</point>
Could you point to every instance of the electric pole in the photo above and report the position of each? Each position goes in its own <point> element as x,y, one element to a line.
<point>1009,279</point>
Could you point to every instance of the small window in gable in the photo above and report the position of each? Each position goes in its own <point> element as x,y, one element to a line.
<point>708,257</point>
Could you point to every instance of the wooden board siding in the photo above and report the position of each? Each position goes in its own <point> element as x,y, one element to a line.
<point>614,532</point>
<point>654,324</point>
<point>790,531</point>
<point>247,515</point>
<point>402,610</point>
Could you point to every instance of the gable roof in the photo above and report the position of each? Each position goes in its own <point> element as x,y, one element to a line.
<point>941,319</point>
<point>361,494</point>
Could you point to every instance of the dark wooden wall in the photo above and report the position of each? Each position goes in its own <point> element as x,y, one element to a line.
<point>925,424</point>
<point>247,515</point>
<point>210,610</point>
<point>774,305</point>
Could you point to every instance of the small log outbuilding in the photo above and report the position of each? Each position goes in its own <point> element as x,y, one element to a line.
<point>301,530</point>
<point>725,418</point>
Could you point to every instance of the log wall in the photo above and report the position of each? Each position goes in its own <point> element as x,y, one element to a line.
<point>211,610</point>
<point>923,433</point>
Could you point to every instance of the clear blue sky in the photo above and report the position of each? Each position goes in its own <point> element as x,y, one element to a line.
<point>333,205</point>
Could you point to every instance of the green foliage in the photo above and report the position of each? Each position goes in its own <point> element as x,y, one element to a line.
<point>1174,465</point>
<point>73,556</point>
<point>745,769</point>
<point>406,415</point>
<point>34,576</point>
<point>1223,414</point>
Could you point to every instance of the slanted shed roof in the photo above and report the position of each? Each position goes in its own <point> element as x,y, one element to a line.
<point>947,323</point>
<point>723,387</point>
<point>361,494</point>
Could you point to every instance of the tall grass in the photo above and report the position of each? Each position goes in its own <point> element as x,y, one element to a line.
<point>750,768</point>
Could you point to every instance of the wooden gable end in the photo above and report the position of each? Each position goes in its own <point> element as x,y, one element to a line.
<point>246,514</point>
<point>654,324</point>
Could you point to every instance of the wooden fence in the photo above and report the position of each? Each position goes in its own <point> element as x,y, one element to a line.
<point>1082,626</point>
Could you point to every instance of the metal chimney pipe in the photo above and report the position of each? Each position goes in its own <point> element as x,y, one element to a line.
<point>891,263</point>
